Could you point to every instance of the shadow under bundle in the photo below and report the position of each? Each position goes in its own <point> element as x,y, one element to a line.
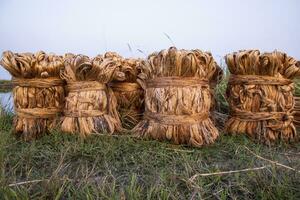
<point>177,97</point>
<point>38,92</point>
<point>260,95</point>
<point>90,105</point>
<point>129,94</point>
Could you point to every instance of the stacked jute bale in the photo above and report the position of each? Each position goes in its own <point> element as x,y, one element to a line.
<point>129,93</point>
<point>90,106</point>
<point>297,100</point>
<point>260,95</point>
<point>177,97</point>
<point>38,92</point>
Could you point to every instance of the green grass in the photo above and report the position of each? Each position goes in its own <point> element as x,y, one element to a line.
<point>5,86</point>
<point>297,87</point>
<point>4,81</point>
<point>104,167</point>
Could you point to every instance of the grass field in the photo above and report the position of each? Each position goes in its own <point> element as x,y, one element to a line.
<point>60,166</point>
<point>102,167</point>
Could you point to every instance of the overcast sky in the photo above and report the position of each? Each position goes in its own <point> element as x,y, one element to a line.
<point>92,27</point>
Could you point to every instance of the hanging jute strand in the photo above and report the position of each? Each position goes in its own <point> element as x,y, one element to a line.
<point>177,97</point>
<point>38,92</point>
<point>260,95</point>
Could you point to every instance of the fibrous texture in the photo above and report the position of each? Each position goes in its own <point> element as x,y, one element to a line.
<point>90,105</point>
<point>129,94</point>
<point>260,95</point>
<point>177,97</point>
<point>38,92</point>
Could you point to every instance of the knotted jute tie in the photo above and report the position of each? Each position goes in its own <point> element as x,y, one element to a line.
<point>84,86</point>
<point>38,113</point>
<point>38,82</point>
<point>259,80</point>
<point>179,82</point>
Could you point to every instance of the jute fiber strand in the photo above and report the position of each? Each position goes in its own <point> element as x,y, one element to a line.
<point>129,93</point>
<point>90,105</point>
<point>297,100</point>
<point>260,95</point>
<point>177,97</point>
<point>38,92</point>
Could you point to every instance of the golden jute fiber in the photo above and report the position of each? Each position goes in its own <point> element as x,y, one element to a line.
<point>177,97</point>
<point>260,95</point>
<point>38,92</point>
<point>90,106</point>
<point>129,94</point>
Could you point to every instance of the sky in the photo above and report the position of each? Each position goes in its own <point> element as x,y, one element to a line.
<point>136,28</point>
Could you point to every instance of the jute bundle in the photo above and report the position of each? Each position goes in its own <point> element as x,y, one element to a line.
<point>38,92</point>
<point>177,97</point>
<point>260,95</point>
<point>90,105</point>
<point>128,92</point>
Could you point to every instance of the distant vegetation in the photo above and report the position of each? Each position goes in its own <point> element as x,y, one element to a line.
<point>297,87</point>
<point>5,85</point>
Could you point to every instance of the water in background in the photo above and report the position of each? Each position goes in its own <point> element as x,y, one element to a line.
<point>6,101</point>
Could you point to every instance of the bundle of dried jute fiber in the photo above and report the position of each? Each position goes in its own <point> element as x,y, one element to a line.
<point>38,92</point>
<point>260,95</point>
<point>177,97</point>
<point>90,105</point>
<point>129,93</point>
